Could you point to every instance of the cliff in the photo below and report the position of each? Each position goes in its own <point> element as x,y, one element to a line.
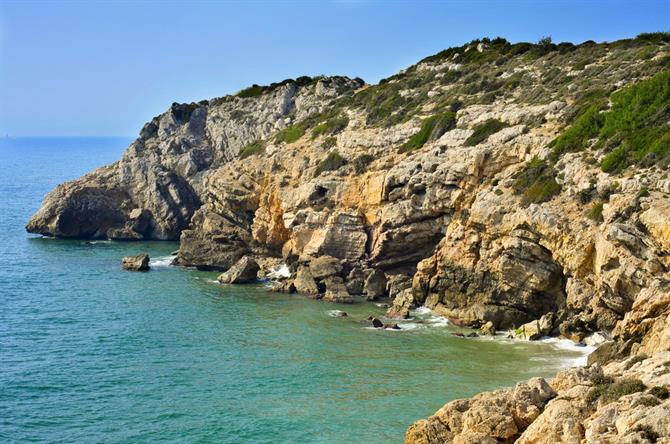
<point>521,185</point>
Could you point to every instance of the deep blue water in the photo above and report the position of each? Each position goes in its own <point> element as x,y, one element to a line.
<point>90,353</point>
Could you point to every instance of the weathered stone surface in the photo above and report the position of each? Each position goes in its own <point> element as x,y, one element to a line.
<point>487,329</point>
<point>325,266</point>
<point>244,271</point>
<point>136,263</point>
<point>336,291</point>
<point>401,305</point>
<point>536,329</point>
<point>304,282</point>
<point>375,285</point>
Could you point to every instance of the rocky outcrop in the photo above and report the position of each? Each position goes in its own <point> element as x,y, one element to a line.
<point>245,271</point>
<point>139,262</point>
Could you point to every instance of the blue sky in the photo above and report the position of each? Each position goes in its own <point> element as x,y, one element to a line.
<point>94,68</point>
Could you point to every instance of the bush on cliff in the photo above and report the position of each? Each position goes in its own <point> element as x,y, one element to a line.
<point>290,134</point>
<point>333,125</point>
<point>536,182</point>
<point>484,130</point>
<point>431,128</point>
<point>332,162</point>
<point>254,148</point>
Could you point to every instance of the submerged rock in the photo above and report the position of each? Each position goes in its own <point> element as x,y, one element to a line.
<point>139,262</point>
<point>244,271</point>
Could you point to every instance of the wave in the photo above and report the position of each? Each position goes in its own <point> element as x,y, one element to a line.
<point>279,272</point>
<point>161,261</point>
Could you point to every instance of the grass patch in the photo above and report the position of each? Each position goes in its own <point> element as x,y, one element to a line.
<point>329,142</point>
<point>252,149</point>
<point>332,162</point>
<point>537,183</point>
<point>610,392</point>
<point>362,162</point>
<point>576,137</point>
<point>595,213</point>
<point>333,125</point>
<point>431,128</point>
<point>484,130</point>
<point>290,134</point>
<point>252,91</point>
<point>638,124</point>
<point>660,392</point>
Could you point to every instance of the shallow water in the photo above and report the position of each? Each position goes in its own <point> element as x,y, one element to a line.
<point>90,353</point>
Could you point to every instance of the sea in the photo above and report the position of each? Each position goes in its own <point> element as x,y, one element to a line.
<point>90,353</point>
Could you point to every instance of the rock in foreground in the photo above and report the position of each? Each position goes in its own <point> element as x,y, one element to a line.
<point>136,263</point>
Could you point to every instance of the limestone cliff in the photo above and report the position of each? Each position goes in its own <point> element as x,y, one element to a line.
<point>493,182</point>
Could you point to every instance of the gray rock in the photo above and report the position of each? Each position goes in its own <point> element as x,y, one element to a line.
<point>375,285</point>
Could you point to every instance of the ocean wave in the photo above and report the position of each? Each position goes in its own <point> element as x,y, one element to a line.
<point>280,272</point>
<point>161,261</point>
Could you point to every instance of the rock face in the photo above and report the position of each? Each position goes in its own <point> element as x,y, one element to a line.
<point>449,185</point>
<point>245,271</point>
<point>136,263</point>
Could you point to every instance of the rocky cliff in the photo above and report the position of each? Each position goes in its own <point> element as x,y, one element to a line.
<point>519,186</point>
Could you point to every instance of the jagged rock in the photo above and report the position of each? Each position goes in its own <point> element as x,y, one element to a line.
<point>336,291</point>
<point>304,282</point>
<point>355,281</point>
<point>536,329</point>
<point>244,271</point>
<point>375,285</point>
<point>401,305</point>
<point>493,417</point>
<point>136,263</point>
<point>487,329</point>
<point>325,266</point>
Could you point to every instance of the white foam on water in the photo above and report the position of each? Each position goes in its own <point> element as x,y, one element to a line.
<point>280,272</point>
<point>566,344</point>
<point>161,261</point>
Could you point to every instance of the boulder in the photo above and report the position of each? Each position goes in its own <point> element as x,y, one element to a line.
<point>391,327</point>
<point>336,291</point>
<point>324,266</point>
<point>487,329</point>
<point>375,285</point>
<point>534,330</point>
<point>304,282</point>
<point>401,305</point>
<point>376,323</point>
<point>244,271</point>
<point>136,263</point>
<point>355,281</point>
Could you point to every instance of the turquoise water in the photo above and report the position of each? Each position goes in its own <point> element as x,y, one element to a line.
<point>90,353</point>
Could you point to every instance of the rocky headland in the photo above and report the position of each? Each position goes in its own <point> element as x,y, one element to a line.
<point>519,187</point>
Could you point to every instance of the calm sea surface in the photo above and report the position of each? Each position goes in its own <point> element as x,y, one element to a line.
<point>90,353</point>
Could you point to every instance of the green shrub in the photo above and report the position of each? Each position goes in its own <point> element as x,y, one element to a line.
<point>333,125</point>
<point>576,137</point>
<point>654,37</point>
<point>252,91</point>
<point>329,142</point>
<point>362,162</point>
<point>595,213</point>
<point>254,148</point>
<point>332,162</point>
<point>610,392</point>
<point>484,130</point>
<point>638,123</point>
<point>536,182</point>
<point>290,134</point>
<point>431,128</point>
<point>660,392</point>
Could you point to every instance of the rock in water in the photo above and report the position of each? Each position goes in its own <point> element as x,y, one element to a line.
<point>136,263</point>
<point>244,271</point>
<point>340,314</point>
<point>376,323</point>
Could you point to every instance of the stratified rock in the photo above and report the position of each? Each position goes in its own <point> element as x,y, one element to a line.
<point>375,285</point>
<point>325,266</point>
<point>244,271</point>
<point>136,263</point>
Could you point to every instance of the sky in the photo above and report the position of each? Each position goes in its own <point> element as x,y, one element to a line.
<point>76,68</point>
